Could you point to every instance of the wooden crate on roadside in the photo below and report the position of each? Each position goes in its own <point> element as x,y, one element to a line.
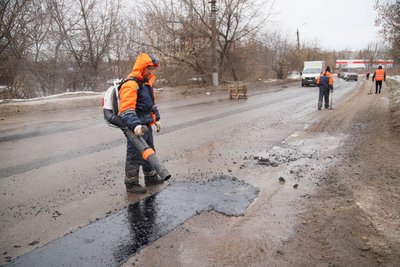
<point>238,91</point>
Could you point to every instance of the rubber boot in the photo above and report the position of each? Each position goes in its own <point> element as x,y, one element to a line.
<point>133,186</point>
<point>152,179</point>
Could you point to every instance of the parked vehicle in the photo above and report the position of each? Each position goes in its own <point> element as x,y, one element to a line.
<point>294,75</point>
<point>342,75</point>
<point>352,77</point>
<point>311,71</point>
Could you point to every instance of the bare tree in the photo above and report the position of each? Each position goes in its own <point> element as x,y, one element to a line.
<point>86,30</point>
<point>14,30</point>
<point>23,32</point>
<point>280,51</point>
<point>238,20</point>
<point>124,46</point>
<point>173,30</point>
<point>39,35</point>
<point>389,21</point>
<point>180,30</point>
<point>373,52</point>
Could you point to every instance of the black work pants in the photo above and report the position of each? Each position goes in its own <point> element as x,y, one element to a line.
<point>323,95</point>
<point>378,87</point>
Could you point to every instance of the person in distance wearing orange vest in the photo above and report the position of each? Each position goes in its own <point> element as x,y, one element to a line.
<point>379,76</point>
<point>138,108</point>
<point>325,84</point>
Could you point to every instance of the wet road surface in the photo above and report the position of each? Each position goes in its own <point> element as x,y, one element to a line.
<point>60,171</point>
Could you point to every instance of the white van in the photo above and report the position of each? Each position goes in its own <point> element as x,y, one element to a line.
<point>311,71</point>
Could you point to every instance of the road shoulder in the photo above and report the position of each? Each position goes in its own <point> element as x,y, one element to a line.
<point>354,216</point>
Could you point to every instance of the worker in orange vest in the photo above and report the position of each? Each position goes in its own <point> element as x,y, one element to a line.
<point>379,76</point>
<point>325,84</point>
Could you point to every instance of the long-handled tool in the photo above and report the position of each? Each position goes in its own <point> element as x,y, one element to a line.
<point>331,105</point>
<point>147,152</point>
<point>370,90</point>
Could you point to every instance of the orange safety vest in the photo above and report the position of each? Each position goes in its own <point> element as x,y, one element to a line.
<point>379,75</point>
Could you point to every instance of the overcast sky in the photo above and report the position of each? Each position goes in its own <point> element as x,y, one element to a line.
<point>335,25</point>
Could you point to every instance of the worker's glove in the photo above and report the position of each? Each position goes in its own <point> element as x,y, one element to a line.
<point>158,125</point>
<point>139,130</point>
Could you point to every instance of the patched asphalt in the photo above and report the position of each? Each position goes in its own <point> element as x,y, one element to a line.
<point>112,240</point>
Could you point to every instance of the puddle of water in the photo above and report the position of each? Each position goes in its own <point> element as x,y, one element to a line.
<point>112,240</point>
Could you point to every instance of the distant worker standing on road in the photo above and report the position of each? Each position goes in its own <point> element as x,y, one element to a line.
<point>367,75</point>
<point>137,109</point>
<point>325,84</point>
<point>378,77</point>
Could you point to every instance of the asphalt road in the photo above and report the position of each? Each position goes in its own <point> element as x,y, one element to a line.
<point>62,166</point>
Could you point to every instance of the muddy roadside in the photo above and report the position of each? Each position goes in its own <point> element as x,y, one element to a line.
<point>354,218</point>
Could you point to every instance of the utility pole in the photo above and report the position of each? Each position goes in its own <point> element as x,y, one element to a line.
<point>214,43</point>
<point>298,39</point>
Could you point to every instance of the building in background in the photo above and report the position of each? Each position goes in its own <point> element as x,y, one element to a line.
<point>361,64</point>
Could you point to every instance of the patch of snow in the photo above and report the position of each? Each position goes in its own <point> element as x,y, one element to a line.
<point>270,80</point>
<point>3,88</point>
<point>397,77</point>
<point>58,97</point>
